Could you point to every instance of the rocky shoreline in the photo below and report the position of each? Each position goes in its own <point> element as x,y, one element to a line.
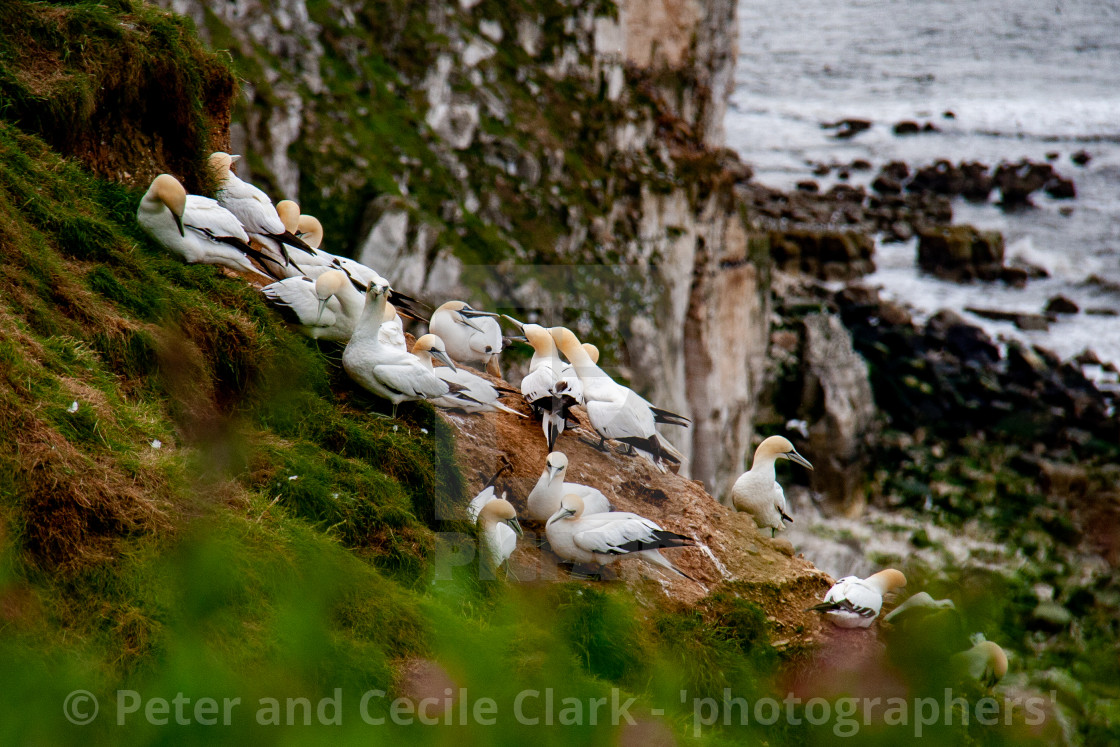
<point>938,446</point>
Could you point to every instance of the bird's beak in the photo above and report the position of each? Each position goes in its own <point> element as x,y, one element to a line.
<point>234,158</point>
<point>516,526</point>
<point>444,358</point>
<point>561,514</point>
<point>466,320</point>
<point>468,311</point>
<point>516,338</point>
<point>514,322</point>
<point>322,308</point>
<point>552,473</point>
<point>793,456</point>
<point>179,223</point>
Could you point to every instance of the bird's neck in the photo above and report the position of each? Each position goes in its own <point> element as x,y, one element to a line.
<point>351,299</point>
<point>764,465</point>
<point>372,313</point>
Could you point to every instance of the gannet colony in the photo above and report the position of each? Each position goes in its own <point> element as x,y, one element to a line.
<point>330,297</point>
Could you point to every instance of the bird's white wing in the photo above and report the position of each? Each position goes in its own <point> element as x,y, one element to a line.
<point>863,600</point>
<point>615,534</point>
<point>251,206</point>
<point>630,419</point>
<point>409,377</point>
<point>779,497</point>
<point>489,340</point>
<point>477,387</point>
<point>297,295</point>
<point>594,502</point>
<point>505,543</point>
<point>569,385</point>
<point>474,508</point>
<point>207,216</point>
<point>538,384</point>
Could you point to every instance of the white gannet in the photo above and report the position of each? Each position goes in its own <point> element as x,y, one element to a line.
<point>473,393</point>
<point>394,374</point>
<point>551,387</point>
<point>326,308</point>
<point>604,538</point>
<point>919,605</point>
<point>471,336</point>
<point>616,411</point>
<point>757,492</point>
<point>497,521</point>
<point>196,228</point>
<point>592,352</point>
<point>855,602</point>
<point>310,229</point>
<point>253,208</point>
<point>544,499</point>
<point>985,662</point>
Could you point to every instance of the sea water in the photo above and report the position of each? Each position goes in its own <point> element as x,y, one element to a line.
<point>1021,78</point>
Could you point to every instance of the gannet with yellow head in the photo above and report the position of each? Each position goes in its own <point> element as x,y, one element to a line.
<point>196,228</point>
<point>605,537</point>
<point>616,411</point>
<point>854,602</point>
<point>471,393</point>
<point>544,499</point>
<point>758,493</point>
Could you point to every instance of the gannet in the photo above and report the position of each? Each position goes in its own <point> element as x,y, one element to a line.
<point>919,605</point>
<point>310,230</point>
<point>326,308</point>
<point>497,521</point>
<point>757,492</point>
<point>615,411</point>
<point>551,387</point>
<point>855,602</point>
<point>985,662</point>
<point>394,374</point>
<point>252,207</point>
<point>922,630</point>
<point>544,499</point>
<point>604,538</point>
<point>592,352</point>
<point>474,394</point>
<point>196,228</point>
<point>471,336</point>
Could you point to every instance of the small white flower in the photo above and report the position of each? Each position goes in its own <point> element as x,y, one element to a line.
<point>156,443</point>
<point>292,477</point>
<point>73,407</point>
<point>423,430</point>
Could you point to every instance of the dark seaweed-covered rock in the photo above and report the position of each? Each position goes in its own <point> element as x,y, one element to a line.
<point>960,253</point>
<point>1061,188</point>
<point>1017,181</point>
<point>1081,157</point>
<point>828,255</point>
<point>1061,305</point>
<point>907,127</point>
<point>846,128</point>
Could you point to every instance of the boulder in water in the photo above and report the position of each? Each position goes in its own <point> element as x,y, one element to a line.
<point>960,253</point>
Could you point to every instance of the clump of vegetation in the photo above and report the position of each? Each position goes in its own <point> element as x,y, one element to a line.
<point>122,85</point>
